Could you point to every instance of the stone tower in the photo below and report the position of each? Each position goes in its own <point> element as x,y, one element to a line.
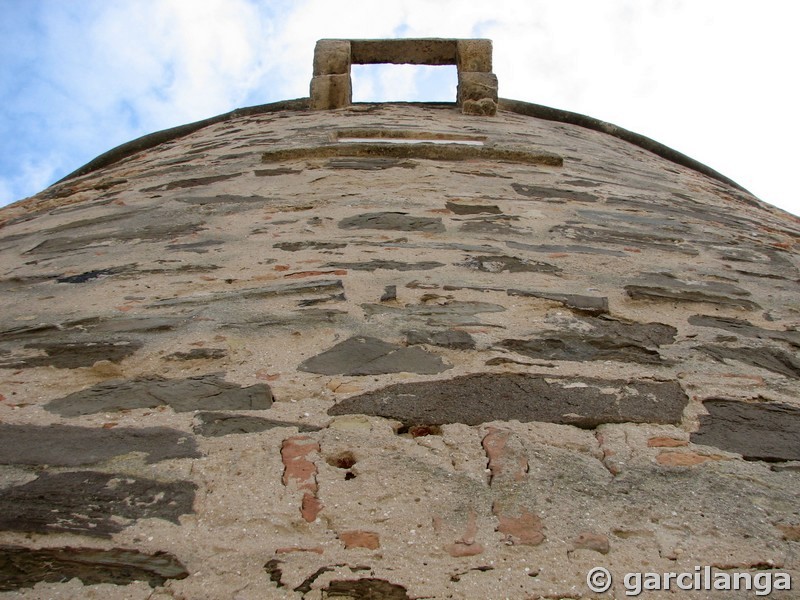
<point>316,349</point>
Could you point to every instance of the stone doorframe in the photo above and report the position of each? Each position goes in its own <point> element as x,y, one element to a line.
<point>477,85</point>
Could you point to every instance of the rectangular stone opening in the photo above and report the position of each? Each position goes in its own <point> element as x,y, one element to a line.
<point>404,83</point>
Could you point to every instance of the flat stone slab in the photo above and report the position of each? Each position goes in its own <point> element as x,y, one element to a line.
<point>664,286</point>
<point>215,424</point>
<point>746,328</point>
<point>593,305</point>
<point>450,338</point>
<point>389,265</point>
<point>547,193</point>
<point>764,357</point>
<point>605,340</point>
<point>509,264</point>
<point>91,503</point>
<point>363,355</point>
<point>764,431</point>
<point>206,392</point>
<point>23,567</point>
<point>71,355</point>
<point>396,221</point>
<point>484,397</point>
<point>68,446</point>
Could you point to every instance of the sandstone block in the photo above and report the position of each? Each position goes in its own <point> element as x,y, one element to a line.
<point>332,57</point>
<point>476,86</point>
<point>331,91</point>
<point>474,55</point>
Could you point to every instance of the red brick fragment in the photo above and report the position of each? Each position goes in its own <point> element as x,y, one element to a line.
<point>524,528</point>
<point>310,507</point>
<point>505,463</point>
<point>360,539</point>
<point>297,466</point>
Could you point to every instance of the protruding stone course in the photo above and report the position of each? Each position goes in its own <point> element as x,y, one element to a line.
<point>758,431</point>
<point>72,355</point>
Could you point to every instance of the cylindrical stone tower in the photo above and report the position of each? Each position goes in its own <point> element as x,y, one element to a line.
<point>316,349</point>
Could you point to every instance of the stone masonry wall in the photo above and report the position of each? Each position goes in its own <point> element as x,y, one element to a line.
<point>261,361</point>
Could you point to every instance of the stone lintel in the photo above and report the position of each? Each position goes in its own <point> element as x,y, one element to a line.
<point>419,51</point>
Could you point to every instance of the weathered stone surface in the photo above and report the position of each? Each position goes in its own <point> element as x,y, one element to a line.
<point>206,392</point>
<point>473,209</point>
<point>450,338</point>
<point>196,247</point>
<point>91,503</point>
<point>23,567</point>
<point>318,286</point>
<point>363,355</point>
<point>764,357</point>
<point>142,231</point>
<point>435,315</point>
<point>214,424</point>
<point>745,328</point>
<point>758,431</point>
<point>545,193</point>
<point>619,236</point>
<point>567,249</point>
<point>369,588</point>
<point>398,221</point>
<point>67,446</point>
<point>605,340</point>
<point>511,264</point>
<point>589,540</point>
<point>484,397</point>
<point>71,355</point>
<point>666,287</point>
<point>500,224</point>
<point>91,275</point>
<point>191,182</point>
<point>389,265</point>
<point>198,354</point>
<point>308,244</point>
<point>593,305</point>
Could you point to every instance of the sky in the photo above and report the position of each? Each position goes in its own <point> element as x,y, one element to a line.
<point>714,79</point>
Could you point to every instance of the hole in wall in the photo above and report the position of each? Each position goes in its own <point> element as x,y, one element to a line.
<point>404,83</point>
<point>342,460</point>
